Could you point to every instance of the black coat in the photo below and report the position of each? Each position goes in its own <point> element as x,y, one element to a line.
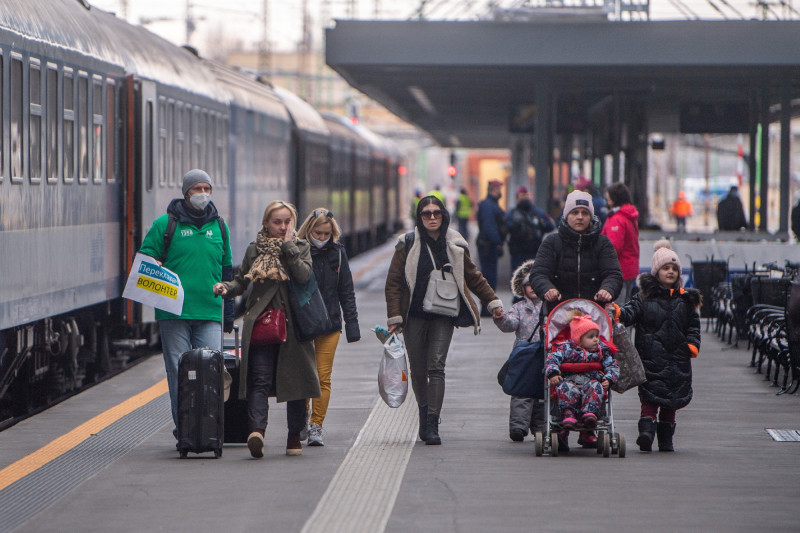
<point>667,321</point>
<point>730,214</point>
<point>577,264</point>
<point>332,271</point>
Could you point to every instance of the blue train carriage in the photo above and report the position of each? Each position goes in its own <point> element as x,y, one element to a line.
<point>341,177</point>
<point>60,197</point>
<point>378,159</point>
<point>259,166</point>
<point>310,154</point>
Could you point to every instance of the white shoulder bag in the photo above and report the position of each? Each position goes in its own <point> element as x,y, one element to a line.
<point>441,296</point>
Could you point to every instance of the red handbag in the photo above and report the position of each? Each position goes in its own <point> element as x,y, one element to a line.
<point>270,328</point>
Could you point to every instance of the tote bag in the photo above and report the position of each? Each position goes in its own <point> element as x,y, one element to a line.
<point>631,369</point>
<point>393,372</point>
<point>308,310</point>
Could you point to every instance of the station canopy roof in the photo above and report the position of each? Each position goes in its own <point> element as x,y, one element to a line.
<point>475,83</point>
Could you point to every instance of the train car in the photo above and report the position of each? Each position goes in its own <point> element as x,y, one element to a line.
<point>310,153</point>
<point>100,120</point>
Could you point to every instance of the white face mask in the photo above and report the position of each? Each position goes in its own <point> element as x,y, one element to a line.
<point>318,244</point>
<point>200,201</point>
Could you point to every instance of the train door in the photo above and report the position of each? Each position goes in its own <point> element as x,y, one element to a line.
<point>146,188</point>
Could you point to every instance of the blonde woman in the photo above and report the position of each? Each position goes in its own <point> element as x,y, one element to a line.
<point>332,272</point>
<point>286,370</point>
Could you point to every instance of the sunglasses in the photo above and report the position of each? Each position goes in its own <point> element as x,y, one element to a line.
<point>432,214</point>
<point>320,213</point>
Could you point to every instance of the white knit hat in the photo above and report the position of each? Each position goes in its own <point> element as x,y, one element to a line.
<point>577,199</point>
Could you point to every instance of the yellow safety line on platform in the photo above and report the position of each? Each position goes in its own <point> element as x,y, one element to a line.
<point>65,443</point>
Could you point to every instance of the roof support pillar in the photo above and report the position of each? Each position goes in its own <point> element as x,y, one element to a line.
<point>543,146</point>
<point>764,163</point>
<point>751,161</point>
<point>520,157</point>
<point>786,146</point>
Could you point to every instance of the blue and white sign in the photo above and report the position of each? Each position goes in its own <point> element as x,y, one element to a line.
<point>154,285</point>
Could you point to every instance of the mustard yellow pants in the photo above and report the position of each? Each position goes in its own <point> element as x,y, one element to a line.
<point>325,347</point>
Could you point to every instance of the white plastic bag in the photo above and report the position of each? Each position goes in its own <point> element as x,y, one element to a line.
<point>393,372</point>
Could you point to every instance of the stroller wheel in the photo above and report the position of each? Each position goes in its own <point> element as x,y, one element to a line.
<point>615,444</point>
<point>539,443</point>
<point>621,446</point>
<point>554,444</point>
<point>606,445</point>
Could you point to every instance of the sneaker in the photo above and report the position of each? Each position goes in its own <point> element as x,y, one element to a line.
<point>315,436</point>
<point>587,439</point>
<point>255,443</point>
<point>293,444</point>
<point>569,422</point>
<point>517,434</point>
<point>589,420</point>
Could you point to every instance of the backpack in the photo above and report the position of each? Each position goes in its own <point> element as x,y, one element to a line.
<point>526,229</point>
<point>170,231</point>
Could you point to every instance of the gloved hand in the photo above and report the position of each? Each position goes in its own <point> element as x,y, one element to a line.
<point>352,332</point>
<point>694,350</point>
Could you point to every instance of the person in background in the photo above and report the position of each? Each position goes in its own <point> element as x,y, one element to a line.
<point>463,213</point>
<point>491,234</point>
<point>332,272</point>
<point>415,202</point>
<point>523,319</point>
<point>681,209</point>
<point>287,370</point>
<point>667,321</point>
<point>527,225</point>
<point>796,220</point>
<point>437,192</point>
<point>576,261</point>
<point>600,208</point>
<point>199,252</point>
<point>622,229</point>
<point>730,212</point>
<point>432,245</point>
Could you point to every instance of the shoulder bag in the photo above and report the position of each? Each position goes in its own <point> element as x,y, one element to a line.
<point>308,310</point>
<point>270,328</point>
<point>441,296</point>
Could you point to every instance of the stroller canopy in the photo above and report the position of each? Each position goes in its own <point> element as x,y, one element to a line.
<point>559,318</point>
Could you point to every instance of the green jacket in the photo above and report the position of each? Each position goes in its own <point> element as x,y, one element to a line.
<point>196,255</point>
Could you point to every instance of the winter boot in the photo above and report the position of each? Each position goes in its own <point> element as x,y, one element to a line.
<point>423,422</point>
<point>647,430</point>
<point>664,431</point>
<point>433,430</point>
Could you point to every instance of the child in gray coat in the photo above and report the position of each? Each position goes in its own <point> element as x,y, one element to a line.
<point>522,319</point>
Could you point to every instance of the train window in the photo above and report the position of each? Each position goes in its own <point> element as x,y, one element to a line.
<point>162,142</point>
<point>2,154</point>
<point>111,106</point>
<point>98,133</point>
<point>51,121</point>
<point>83,127</point>
<point>208,142</point>
<point>180,140</point>
<point>35,121</point>
<point>17,106</point>
<point>222,158</point>
<point>150,161</point>
<point>169,157</point>
<point>69,125</point>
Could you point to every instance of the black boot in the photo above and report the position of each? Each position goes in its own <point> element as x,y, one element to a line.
<point>664,431</point>
<point>647,430</point>
<point>433,430</point>
<point>423,422</point>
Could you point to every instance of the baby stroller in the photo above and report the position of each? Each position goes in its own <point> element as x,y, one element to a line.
<point>557,330</point>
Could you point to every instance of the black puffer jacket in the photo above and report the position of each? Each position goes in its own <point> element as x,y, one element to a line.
<point>335,281</point>
<point>667,321</point>
<point>577,264</point>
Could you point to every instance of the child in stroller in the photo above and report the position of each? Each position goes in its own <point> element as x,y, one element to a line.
<point>580,368</point>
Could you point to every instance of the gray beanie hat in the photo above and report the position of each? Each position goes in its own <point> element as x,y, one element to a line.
<point>192,178</point>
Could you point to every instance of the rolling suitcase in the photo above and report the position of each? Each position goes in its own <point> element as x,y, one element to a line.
<point>236,424</point>
<point>200,402</point>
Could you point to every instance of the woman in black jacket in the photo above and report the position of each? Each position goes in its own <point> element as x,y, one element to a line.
<point>335,281</point>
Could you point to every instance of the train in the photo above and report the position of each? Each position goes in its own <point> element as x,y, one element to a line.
<point>100,120</point>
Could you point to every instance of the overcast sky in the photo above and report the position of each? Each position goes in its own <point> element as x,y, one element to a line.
<point>240,22</point>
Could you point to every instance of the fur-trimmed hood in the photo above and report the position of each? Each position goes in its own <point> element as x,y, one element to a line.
<point>651,288</point>
<point>518,279</point>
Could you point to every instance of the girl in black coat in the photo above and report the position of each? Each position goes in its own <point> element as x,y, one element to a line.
<point>667,338</point>
<point>335,281</point>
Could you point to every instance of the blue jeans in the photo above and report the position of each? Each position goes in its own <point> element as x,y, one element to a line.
<point>178,336</point>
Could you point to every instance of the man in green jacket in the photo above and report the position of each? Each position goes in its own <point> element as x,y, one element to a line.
<point>196,248</point>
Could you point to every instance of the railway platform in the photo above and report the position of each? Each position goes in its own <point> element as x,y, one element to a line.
<point>105,460</point>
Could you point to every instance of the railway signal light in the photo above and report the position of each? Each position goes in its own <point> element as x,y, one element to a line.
<point>452,171</point>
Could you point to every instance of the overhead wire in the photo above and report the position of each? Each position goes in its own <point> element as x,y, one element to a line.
<point>718,10</point>
<point>732,8</point>
<point>685,11</point>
